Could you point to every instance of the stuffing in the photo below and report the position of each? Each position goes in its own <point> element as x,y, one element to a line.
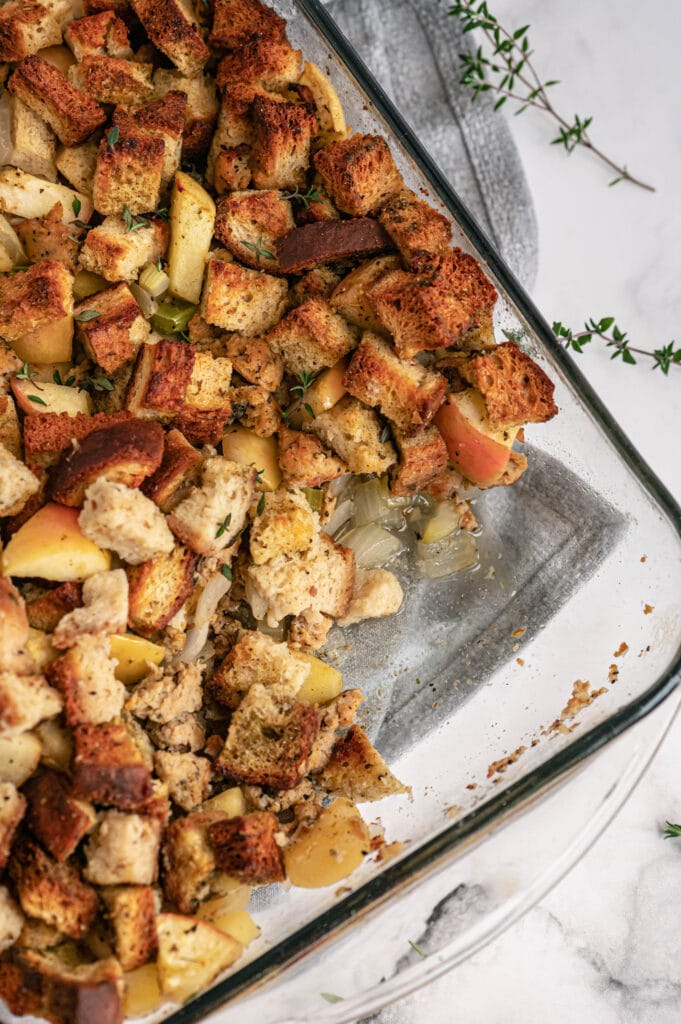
<point>34,147</point>
<point>112,79</point>
<point>181,735</point>
<point>517,464</point>
<point>14,625</point>
<point>239,299</point>
<point>376,592</point>
<point>234,128</point>
<point>118,254</point>
<point>104,611</point>
<point>10,433</point>
<point>309,630</point>
<point>516,390</point>
<point>171,26</point>
<point>283,134</point>
<point>189,859</point>
<point>11,921</point>
<point>237,22</point>
<point>203,426</point>
<point>187,776</point>
<point>249,224</point>
<point>357,770</point>
<point>101,34</point>
<point>17,483</point>
<point>48,435</point>
<point>64,994</point>
<point>179,471</point>
<point>421,459</point>
<point>355,433</point>
<point>132,912</point>
<point>317,283</point>
<point>434,309</point>
<point>160,380</point>
<point>270,739</point>
<point>231,169</point>
<point>212,517</point>
<point>112,338</point>
<point>285,525</point>
<point>123,850</point>
<point>256,409</point>
<point>55,817</point>
<point>201,111</point>
<point>33,298</point>
<point>359,174</point>
<point>319,579</point>
<point>311,337</point>
<point>123,520</point>
<point>445,485</point>
<point>50,891</point>
<point>416,228</point>
<point>163,118</point>
<point>208,388</point>
<point>12,810</point>
<point>109,768</point>
<point>72,116</point>
<point>407,393</point>
<point>26,26</point>
<point>338,714</point>
<point>159,588</point>
<point>246,848</point>
<point>256,658</point>
<point>25,700</point>
<point>77,164</point>
<point>255,361</point>
<point>47,238</point>
<point>166,694</point>
<point>122,453</point>
<point>129,172</point>
<point>271,63</point>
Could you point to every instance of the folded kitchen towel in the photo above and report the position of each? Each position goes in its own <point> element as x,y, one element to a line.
<point>412,48</point>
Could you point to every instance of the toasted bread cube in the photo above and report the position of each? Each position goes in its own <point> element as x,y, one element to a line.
<point>435,309</point>
<point>171,26</point>
<point>270,739</point>
<point>26,27</point>
<point>235,128</point>
<point>180,469</point>
<point>285,525</point>
<point>208,388</point>
<point>161,378</point>
<point>124,520</point>
<point>112,79</point>
<point>10,433</point>
<point>12,810</point>
<point>349,296</point>
<point>256,409</point>
<point>283,134</point>
<point>11,924</point>
<point>132,911</point>
<point>104,610</point>
<point>159,588</point>
<point>201,113</point>
<point>359,174</point>
<point>33,143</point>
<point>271,63</point>
<point>108,768</point>
<point>255,361</point>
<point>187,776</point>
<point>191,953</point>
<point>515,388</point>
<point>118,254</point>
<point>121,9</point>
<point>47,238</point>
<point>213,515</point>
<point>357,770</point>
<point>354,432</point>
<point>124,452</point>
<point>311,337</point>
<point>17,483</point>
<point>114,337</point>
<point>42,87</point>
<point>421,458</point>
<point>406,392</point>
<point>237,22</point>
<point>52,892</point>
<point>189,859</point>
<point>55,817</point>
<point>102,34</point>
<point>78,163</point>
<point>33,298</point>
<point>249,223</point>
<point>239,299</point>
<point>415,227</point>
<point>14,627</point>
<point>256,658</point>
<point>25,701</point>
<point>123,850</point>
<point>44,612</point>
<point>128,173</point>
<point>246,848</point>
<point>305,462</point>
<point>163,118</point>
<point>48,435</point>
<point>67,994</point>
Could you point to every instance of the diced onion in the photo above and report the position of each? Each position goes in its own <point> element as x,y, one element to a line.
<point>342,512</point>
<point>206,606</point>
<point>443,522</point>
<point>337,486</point>
<point>371,506</point>
<point>451,555</point>
<point>10,242</point>
<point>373,546</point>
<point>154,281</point>
<point>144,300</point>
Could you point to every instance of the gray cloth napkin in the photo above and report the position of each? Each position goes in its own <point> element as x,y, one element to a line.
<point>412,47</point>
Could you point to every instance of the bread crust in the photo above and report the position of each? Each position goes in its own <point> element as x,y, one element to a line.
<point>108,768</point>
<point>42,87</point>
<point>515,388</point>
<point>359,173</point>
<point>246,848</point>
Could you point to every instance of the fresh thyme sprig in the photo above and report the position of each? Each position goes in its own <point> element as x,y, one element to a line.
<point>503,65</point>
<point>260,252</point>
<point>91,384</point>
<point>313,195</point>
<point>606,328</point>
<point>224,525</point>
<point>671,831</point>
<point>112,136</point>
<point>133,223</point>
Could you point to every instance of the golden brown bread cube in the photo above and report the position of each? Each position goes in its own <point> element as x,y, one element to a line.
<point>231,170</point>
<point>283,134</point>
<point>255,361</point>
<point>108,768</point>
<point>47,435</point>
<point>10,432</point>
<point>415,227</point>
<point>13,627</point>
<point>435,309</point>
<point>77,164</point>
<point>317,283</point>
<point>112,79</point>
<point>201,113</point>
<point>249,223</point>
<point>359,173</point>
<point>236,22</point>
<point>269,62</point>
<point>180,469</point>
<point>311,337</point>
<point>210,520</point>
<point>50,891</point>
<point>12,810</point>
<point>208,389</point>
<point>114,337</point>
<point>66,994</point>
<point>256,409</point>
<point>45,90</point>
<point>103,34</point>
<point>85,677</point>
<point>159,588</point>
<point>189,859</point>
<point>47,238</point>
<point>349,295</point>
<point>54,816</point>
<point>34,297</point>
<point>406,392</point>
<point>421,458</point>
<point>255,658</point>
<point>26,26</point>
<point>132,912</point>
<point>171,26</point>
<point>305,462</point>
<point>356,434</point>
<point>19,997</point>
<point>163,118</point>
<point>357,770</point>
<point>160,379</point>
<point>118,254</point>
<point>25,700</point>
<point>129,172</point>
<point>246,848</point>
<point>516,390</point>
<point>234,128</point>
<point>239,299</point>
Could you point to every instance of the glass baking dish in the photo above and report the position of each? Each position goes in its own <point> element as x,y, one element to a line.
<point>474,668</point>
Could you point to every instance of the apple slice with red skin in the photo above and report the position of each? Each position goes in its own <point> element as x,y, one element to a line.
<point>477,450</point>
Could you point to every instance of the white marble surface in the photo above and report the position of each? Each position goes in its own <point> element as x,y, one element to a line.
<point>603,947</point>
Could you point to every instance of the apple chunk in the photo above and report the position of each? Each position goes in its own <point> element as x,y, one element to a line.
<point>475,448</point>
<point>133,654</point>
<point>243,446</point>
<point>191,953</point>
<point>33,397</point>
<point>51,342</point>
<point>51,546</point>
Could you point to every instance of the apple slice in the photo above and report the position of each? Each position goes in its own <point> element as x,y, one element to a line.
<point>475,448</point>
<point>323,683</point>
<point>243,446</point>
<point>33,397</point>
<point>52,342</point>
<point>132,654</point>
<point>191,953</point>
<point>327,389</point>
<point>51,546</point>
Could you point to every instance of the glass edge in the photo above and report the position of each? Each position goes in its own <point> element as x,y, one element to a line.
<point>445,845</point>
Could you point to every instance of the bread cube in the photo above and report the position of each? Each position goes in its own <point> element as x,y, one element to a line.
<point>255,361</point>
<point>283,134</point>
<point>51,891</point>
<point>201,112</point>
<point>49,987</point>
<point>357,770</point>
<point>114,337</point>
<point>11,924</point>
<point>124,520</point>
<point>108,768</point>
<point>102,34</point>
<point>158,589</point>
<point>112,79</point>
<point>422,457</point>
<point>286,524</point>
<point>349,296</point>
<point>191,953</point>
<point>104,610</point>
<point>47,238</point>
<point>246,848</point>
<point>118,254</point>
<point>48,435</point>
<point>359,174</point>
<point>33,298</point>
<point>305,462</point>
<point>129,172</point>
<point>239,299</point>
<point>160,379</point>
<point>10,433</point>
<point>354,432</point>
<point>237,22</point>
<point>26,26</point>
<point>256,409</point>
<point>311,337</point>
<point>187,776</point>
<point>85,677</point>
<point>17,483</point>
<point>213,515</point>
<point>171,26</point>
<point>123,850</point>
<point>266,61</point>
<point>78,163</point>
<point>42,87</point>
<point>208,389</point>
<point>12,810</point>
<point>180,469</point>
<point>515,388</point>
<point>249,223</point>
<point>231,169</point>
<point>25,700</point>
<point>55,817</point>
<point>132,912</point>
<point>163,118</point>
<point>418,230</point>
<point>34,148</point>
<point>256,658</point>
<point>189,859</point>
